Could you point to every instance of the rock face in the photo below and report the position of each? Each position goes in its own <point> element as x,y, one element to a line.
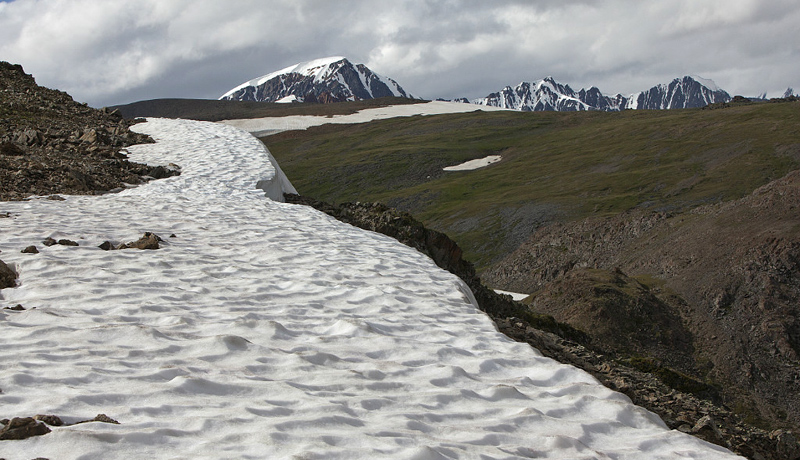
<point>51,144</point>
<point>333,79</point>
<point>730,273</point>
<point>550,95</point>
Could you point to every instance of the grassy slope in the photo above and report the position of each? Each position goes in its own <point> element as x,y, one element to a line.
<point>555,166</point>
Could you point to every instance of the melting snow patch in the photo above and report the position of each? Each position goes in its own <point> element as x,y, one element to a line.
<point>514,295</point>
<point>270,125</point>
<point>474,164</point>
<point>288,99</point>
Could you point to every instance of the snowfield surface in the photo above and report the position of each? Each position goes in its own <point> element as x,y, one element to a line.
<point>472,165</point>
<point>260,127</point>
<point>268,330</point>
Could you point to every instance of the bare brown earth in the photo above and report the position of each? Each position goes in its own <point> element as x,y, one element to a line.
<point>712,293</point>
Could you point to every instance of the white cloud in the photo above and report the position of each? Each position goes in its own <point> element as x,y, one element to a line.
<point>104,51</point>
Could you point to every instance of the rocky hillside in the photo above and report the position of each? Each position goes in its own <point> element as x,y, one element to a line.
<point>711,292</point>
<point>51,144</point>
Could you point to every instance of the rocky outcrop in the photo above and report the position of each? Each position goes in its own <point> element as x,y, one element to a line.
<point>148,241</point>
<point>51,144</point>
<point>26,427</point>
<point>22,428</point>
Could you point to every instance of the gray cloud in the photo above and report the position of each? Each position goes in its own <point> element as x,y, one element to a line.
<point>116,52</point>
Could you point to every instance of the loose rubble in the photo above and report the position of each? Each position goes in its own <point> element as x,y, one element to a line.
<point>51,144</point>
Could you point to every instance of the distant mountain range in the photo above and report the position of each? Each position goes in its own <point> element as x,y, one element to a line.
<point>332,79</point>
<point>548,94</point>
<point>336,79</point>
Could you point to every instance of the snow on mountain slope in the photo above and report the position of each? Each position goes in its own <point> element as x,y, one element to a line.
<point>270,330</point>
<point>331,79</point>
<point>543,95</point>
<point>548,94</point>
<point>680,93</point>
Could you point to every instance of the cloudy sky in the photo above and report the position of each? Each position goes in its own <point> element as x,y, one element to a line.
<point>107,52</point>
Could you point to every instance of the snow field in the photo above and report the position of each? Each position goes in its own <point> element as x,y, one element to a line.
<point>260,127</point>
<point>269,330</point>
<point>472,165</point>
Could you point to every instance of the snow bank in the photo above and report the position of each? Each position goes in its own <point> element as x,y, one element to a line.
<point>474,164</point>
<point>514,295</point>
<point>269,330</point>
<point>260,127</point>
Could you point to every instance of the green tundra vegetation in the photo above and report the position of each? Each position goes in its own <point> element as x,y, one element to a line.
<point>556,166</point>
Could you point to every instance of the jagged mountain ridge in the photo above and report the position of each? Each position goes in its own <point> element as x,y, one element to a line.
<point>550,95</point>
<point>332,79</point>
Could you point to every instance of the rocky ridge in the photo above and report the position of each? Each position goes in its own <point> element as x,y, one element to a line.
<point>679,402</point>
<point>51,144</point>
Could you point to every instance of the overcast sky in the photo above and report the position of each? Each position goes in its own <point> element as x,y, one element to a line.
<point>107,52</point>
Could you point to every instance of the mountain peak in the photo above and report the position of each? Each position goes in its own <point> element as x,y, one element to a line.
<point>549,94</point>
<point>704,81</point>
<point>330,79</point>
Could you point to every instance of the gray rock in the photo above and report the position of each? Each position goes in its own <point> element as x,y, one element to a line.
<point>23,428</point>
<point>7,276</point>
<point>147,241</point>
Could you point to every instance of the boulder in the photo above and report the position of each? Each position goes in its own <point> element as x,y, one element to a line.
<point>7,276</point>
<point>23,428</point>
<point>148,241</point>
<point>106,246</point>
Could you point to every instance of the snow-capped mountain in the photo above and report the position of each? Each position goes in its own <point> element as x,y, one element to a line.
<point>548,94</point>
<point>680,93</point>
<point>331,79</point>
